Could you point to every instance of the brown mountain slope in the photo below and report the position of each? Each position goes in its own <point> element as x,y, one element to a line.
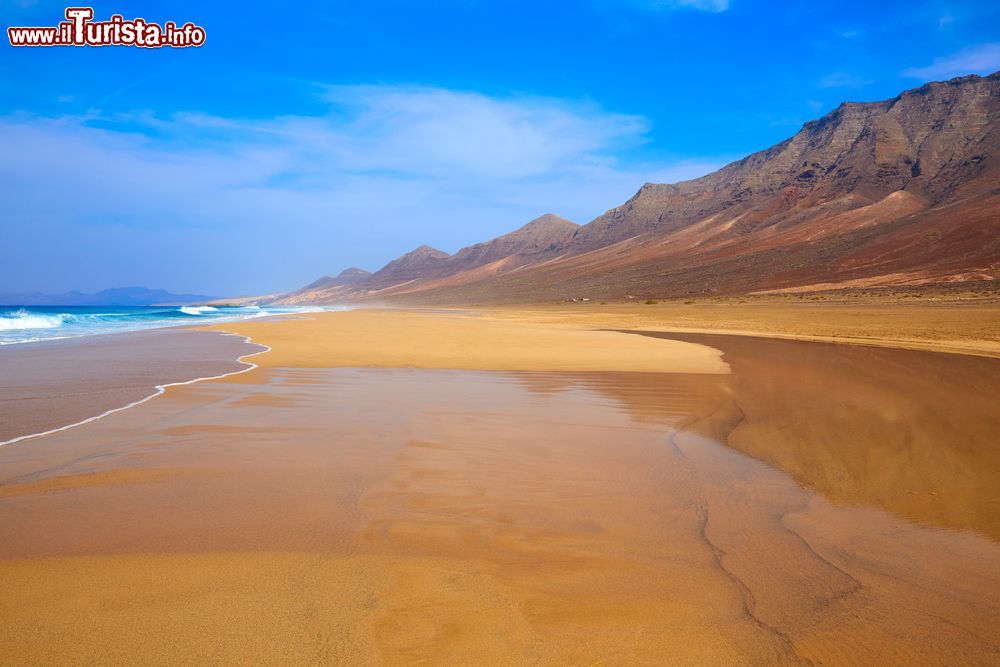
<point>539,237</point>
<point>928,141</point>
<point>416,269</point>
<point>904,191</point>
<point>419,263</point>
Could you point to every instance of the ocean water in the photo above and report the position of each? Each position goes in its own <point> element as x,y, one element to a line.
<point>26,324</point>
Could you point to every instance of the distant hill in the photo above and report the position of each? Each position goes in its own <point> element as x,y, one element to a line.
<point>118,296</point>
<point>351,276</point>
<point>900,192</point>
<point>529,244</point>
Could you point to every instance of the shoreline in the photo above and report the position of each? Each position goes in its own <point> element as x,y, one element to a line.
<point>68,318</point>
<point>704,359</point>
<point>156,390</point>
<point>534,315</point>
<point>581,321</point>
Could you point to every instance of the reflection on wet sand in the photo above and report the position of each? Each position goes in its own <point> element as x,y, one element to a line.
<point>393,516</point>
<point>916,433</point>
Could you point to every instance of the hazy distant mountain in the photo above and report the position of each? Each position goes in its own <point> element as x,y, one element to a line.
<point>118,296</point>
<point>329,289</point>
<point>525,245</point>
<point>900,192</point>
<point>351,276</point>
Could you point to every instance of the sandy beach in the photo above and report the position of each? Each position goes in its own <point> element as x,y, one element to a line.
<point>651,333</point>
<point>969,327</point>
<point>394,487</point>
<point>465,340</point>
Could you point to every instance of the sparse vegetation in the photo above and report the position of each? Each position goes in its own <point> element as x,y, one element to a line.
<point>651,302</point>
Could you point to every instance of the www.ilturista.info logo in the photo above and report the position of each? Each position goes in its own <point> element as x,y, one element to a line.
<point>81,30</point>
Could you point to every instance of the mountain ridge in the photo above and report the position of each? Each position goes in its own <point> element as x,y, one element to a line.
<point>899,191</point>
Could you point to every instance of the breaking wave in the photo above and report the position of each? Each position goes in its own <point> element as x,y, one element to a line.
<point>26,324</point>
<point>19,320</point>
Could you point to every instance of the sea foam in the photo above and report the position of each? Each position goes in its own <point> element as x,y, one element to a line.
<point>22,319</point>
<point>29,324</point>
<point>197,310</point>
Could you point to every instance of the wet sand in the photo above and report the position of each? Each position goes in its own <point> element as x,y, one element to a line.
<point>47,385</point>
<point>916,433</point>
<point>314,514</point>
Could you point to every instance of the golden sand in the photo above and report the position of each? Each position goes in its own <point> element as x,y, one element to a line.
<point>400,339</point>
<point>309,514</point>
<point>963,328</point>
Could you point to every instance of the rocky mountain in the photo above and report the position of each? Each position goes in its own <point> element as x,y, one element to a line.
<point>422,262</point>
<point>926,142</point>
<point>904,191</point>
<point>540,237</point>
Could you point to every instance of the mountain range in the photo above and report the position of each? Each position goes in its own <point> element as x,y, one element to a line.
<point>904,191</point>
<point>117,296</point>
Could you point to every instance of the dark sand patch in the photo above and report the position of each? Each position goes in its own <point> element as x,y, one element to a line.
<point>916,433</point>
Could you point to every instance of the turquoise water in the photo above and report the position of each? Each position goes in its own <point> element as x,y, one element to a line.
<point>26,324</point>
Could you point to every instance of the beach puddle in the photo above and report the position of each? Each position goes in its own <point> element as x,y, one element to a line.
<point>915,433</point>
<point>370,516</point>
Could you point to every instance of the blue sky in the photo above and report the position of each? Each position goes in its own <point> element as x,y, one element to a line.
<point>306,137</point>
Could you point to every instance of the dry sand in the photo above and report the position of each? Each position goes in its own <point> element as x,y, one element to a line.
<point>402,339</point>
<point>945,326</point>
<point>307,513</point>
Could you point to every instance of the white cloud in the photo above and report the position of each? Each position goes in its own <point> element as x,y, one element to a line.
<point>387,168</point>
<point>980,59</point>
<point>431,130</point>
